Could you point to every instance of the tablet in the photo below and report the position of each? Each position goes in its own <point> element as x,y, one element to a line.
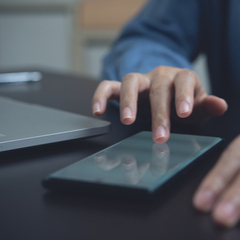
<point>135,167</point>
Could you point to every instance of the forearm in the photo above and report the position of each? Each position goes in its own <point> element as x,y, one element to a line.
<point>164,33</point>
<point>140,56</point>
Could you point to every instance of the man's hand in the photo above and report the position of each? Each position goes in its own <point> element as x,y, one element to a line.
<point>163,84</point>
<point>220,190</point>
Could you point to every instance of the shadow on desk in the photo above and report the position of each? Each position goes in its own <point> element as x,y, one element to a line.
<point>163,210</point>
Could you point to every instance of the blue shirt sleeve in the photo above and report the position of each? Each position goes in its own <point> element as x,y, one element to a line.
<point>165,32</point>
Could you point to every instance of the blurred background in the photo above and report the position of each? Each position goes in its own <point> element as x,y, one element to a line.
<point>65,35</point>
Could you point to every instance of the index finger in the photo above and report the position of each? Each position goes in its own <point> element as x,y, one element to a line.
<point>160,98</point>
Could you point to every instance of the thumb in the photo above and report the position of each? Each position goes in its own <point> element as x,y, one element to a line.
<point>214,106</point>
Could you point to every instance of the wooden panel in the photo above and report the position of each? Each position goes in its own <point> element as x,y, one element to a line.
<point>107,14</point>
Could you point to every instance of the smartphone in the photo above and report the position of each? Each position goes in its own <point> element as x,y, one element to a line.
<point>136,167</point>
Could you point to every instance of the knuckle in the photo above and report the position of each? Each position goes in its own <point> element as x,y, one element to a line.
<point>163,74</point>
<point>107,89</point>
<point>106,84</point>
<point>217,184</point>
<point>160,119</point>
<point>187,73</point>
<point>161,71</point>
<point>131,77</point>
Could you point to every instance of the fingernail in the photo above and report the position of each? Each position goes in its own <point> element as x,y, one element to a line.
<point>127,113</point>
<point>128,164</point>
<point>227,214</point>
<point>99,159</point>
<point>204,200</point>
<point>96,107</point>
<point>160,132</point>
<point>184,107</point>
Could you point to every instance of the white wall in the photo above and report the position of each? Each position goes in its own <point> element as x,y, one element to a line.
<point>42,40</point>
<point>36,33</point>
<point>36,1</point>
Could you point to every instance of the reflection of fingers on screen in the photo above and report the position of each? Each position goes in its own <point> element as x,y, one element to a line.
<point>160,159</point>
<point>161,150</point>
<point>142,169</point>
<point>100,158</point>
<point>195,145</point>
<point>130,170</point>
<point>104,163</point>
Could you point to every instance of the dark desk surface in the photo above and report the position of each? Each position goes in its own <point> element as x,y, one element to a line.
<point>29,212</point>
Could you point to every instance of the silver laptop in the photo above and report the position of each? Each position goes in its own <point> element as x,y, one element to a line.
<point>24,125</point>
